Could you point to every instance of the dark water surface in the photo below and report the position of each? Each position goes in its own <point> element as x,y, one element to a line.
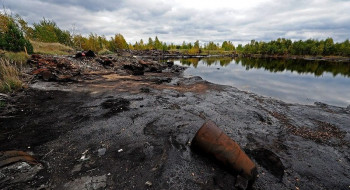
<point>294,81</point>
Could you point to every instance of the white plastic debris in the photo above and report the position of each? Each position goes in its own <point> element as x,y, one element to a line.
<point>84,158</point>
<point>148,183</point>
<point>120,150</point>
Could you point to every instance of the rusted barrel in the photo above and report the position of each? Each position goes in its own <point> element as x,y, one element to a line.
<point>212,140</point>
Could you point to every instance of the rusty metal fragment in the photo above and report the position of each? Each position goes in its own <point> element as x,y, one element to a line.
<point>211,140</point>
<point>13,156</point>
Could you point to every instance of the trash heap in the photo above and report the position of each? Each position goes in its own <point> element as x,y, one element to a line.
<point>53,68</point>
<point>71,68</point>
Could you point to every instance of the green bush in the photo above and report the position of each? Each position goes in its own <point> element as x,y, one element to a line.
<point>13,40</point>
<point>47,31</point>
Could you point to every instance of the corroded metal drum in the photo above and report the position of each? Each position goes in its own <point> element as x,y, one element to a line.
<point>212,140</point>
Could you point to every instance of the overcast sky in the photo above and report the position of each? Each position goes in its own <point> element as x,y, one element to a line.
<point>189,20</point>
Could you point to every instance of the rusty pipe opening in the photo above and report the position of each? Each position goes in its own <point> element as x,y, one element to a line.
<point>211,140</point>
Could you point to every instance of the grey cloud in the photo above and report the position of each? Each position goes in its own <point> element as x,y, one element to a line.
<point>92,5</point>
<point>171,21</point>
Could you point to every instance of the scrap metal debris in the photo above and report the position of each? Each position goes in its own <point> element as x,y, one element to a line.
<point>213,141</point>
<point>13,156</point>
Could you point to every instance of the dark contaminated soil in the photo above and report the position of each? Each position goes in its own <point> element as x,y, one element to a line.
<point>106,128</point>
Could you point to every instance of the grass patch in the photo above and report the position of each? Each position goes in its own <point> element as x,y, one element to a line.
<point>104,52</point>
<point>51,48</point>
<point>17,57</point>
<point>9,76</point>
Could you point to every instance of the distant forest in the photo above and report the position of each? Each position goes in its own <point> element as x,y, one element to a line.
<point>15,35</point>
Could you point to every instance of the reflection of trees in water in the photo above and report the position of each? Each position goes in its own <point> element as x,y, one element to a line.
<point>223,61</point>
<point>277,65</point>
<point>190,61</point>
<point>300,66</point>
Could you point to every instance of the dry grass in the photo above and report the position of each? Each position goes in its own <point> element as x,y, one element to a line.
<point>17,57</point>
<point>51,48</point>
<point>9,76</point>
<point>104,52</point>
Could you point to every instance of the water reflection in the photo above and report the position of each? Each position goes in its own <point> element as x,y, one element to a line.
<point>276,65</point>
<point>296,81</point>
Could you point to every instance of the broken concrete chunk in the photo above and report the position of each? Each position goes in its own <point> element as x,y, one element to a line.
<point>87,182</point>
<point>19,172</point>
<point>101,151</point>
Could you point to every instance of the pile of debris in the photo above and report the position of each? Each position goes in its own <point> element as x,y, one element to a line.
<point>85,54</point>
<point>53,68</point>
<point>18,168</point>
<point>71,68</point>
<point>140,67</point>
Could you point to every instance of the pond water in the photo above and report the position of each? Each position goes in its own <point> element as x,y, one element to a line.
<point>293,81</point>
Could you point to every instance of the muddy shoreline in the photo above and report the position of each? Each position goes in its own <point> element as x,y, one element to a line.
<point>111,126</point>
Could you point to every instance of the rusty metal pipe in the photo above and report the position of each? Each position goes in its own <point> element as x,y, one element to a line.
<point>212,140</point>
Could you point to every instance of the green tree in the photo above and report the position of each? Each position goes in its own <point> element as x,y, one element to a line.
<point>184,45</point>
<point>328,46</point>
<point>227,46</point>
<point>13,39</point>
<point>157,44</point>
<point>118,42</point>
<point>211,46</point>
<point>150,44</point>
<point>239,48</point>
<point>196,44</point>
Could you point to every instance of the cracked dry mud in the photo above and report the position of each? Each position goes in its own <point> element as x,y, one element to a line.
<point>145,127</point>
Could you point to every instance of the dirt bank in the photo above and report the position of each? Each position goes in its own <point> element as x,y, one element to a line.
<point>107,126</point>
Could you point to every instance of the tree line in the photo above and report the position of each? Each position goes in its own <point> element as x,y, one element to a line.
<point>15,35</point>
<point>283,46</point>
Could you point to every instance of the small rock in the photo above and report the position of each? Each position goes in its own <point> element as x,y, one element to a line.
<point>101,151</point>
<point>170,63</point>
<point>120,150</point>
<point>76,168</point>
<point>148,183</point>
